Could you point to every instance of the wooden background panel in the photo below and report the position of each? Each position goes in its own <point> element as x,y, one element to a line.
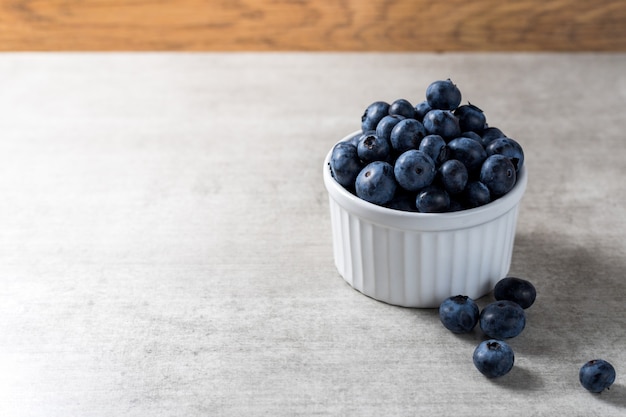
<point>310,25</point>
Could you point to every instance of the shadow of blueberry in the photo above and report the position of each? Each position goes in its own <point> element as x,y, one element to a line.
<point>519,378</point>
<point>615,395</point>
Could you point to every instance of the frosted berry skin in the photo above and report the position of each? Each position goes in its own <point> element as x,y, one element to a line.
<point>502,320</point>
<point>453,176</point>
<point>402,107</point>
<point>432,199</point>
<point>596,375</point>
<point>509,148</point>
<point>442,123</point>
<point>493,358</point>
<point>459,313</point>
<point>471,118</point>
<point>514,289</point>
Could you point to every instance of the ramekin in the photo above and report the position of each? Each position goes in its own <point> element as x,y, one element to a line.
<point>419,259</point>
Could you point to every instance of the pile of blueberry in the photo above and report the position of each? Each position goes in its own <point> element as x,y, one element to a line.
<point>437,156</point>
<point>505,319</point>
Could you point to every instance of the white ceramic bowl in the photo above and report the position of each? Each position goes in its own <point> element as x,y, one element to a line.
<point>419,259</point>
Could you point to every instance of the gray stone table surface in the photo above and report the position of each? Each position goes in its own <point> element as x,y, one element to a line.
<point>165,243</point>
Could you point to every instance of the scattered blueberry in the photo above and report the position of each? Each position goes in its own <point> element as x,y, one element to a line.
<point>443,95</point>
<point>498,174</point>
<point>493,358</point>
<point>459,313</point>
<point>373,148</point>
<point>514,289</point>
<point>373,114</point>
<point>596,375</point>
<point>407,134</point>
<point>502,319</point>
<point>442,123</point>
<point>414,170</point>
<point>453,176</point>
<point>376,183</point>
<point>345,164</point>
<point>432,199</point>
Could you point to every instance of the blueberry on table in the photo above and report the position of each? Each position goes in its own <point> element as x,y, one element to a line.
<point>373,148</point>
<point>493,358</point>
<point>376,183</point>
<point>453,176</point>
<point>507,147</point>
<point>435,147</point>
<point>502,319</point>
<point>459,313</point>
<point>414,170</point>
<point>443,94</point>
<point>402,107</point>
<point>471,118</point>
<point>432,199</point>
<point>469,152</point>
<point>345,164</point>
<point>596,375</point>
<point>407,134</point>
<point>514,289</point>
<point>442,123</point>
<point>373,114</point>
<point>498,174</point>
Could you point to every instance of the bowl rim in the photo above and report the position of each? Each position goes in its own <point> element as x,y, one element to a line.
<point>406,220</point>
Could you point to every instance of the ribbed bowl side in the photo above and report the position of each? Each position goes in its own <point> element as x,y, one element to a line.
<point>421,269</point>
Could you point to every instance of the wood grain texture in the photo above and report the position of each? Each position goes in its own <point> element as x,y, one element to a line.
<point>309,25</point>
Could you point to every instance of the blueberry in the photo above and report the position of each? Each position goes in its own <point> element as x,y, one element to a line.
<point>407,134</point>
<point>518,290</point>
<point>376,183</point>
<point>472,135</point>
<point>476,194</point>
<point>507,147</point>
<point>442,123</point>
<point>443,95</point>
<point>453,176</point>
<point>432,199</point>
<point>386,125</point>
<point>373,114</point>
<point>345,164</point>
<point>421,109</point>
<point>471,118</point>
<point>403,200</point>
<point>435,147</point>
<point>414,170</point>
<point>469,152</point>
<point>498,174</point>
<point>493,358</point>
<point>459,313</point>
<point>402,107</point>
<point>373,148</point>
<point>502,319</point>
<point>489,134</point>
<point>597,375</point>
